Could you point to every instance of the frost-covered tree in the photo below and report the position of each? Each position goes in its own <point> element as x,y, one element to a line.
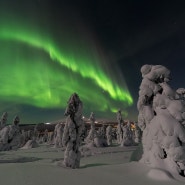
<point>14,134</point>
<point>58,134</point>
<point>137,133</point>
<point>100,140</point>
<point>4,139</point>
<point>72,132</point>
<point>102,131</point>
<point>23,137</point>
<point>33,140</point>
<point>109,134</point>
<point>119,127</point>
<point>92,132</point>
<point>127,139</point>
<point>45,136</point>
<point>3,120</point>
<point>29,134</point>
<point>92,119</point>
<point>50,140</point>
<point>4,132</point>
<point>161,114</point>
<point>35,133</point>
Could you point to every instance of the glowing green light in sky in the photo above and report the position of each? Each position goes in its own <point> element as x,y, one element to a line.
<point>30,75</point>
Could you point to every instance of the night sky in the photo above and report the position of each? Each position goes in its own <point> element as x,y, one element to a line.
<point>51,48</point>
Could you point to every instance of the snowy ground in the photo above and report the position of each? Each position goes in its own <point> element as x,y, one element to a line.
<point>108,166</point>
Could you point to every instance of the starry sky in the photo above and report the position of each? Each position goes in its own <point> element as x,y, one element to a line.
<point>52,48</point>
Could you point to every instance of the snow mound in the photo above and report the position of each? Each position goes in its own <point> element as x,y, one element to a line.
<point>30,144</point>
<point>160,175</point>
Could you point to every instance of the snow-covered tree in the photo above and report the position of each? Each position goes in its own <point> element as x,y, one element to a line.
<point>119,127</point>
<point>137,133</point>
<point>109,134</point>
<point>35,133</point>
<point>23,137</point>
<point>58,134</point>
<point>161,114</point>
<point>14,134</point>
<point>100,140</point>
<point>92,119</point>
<point>45,136</point>
<point>127,139</point>
<point>3,120</point>
<point>72,132</point>
<point>33,140</point>
<point>92,132</point>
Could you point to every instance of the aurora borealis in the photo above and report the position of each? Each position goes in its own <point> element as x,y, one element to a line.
<point>41,66</point>
<point>52,48</point>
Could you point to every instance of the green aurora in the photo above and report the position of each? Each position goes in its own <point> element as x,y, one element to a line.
<point>39,70</point>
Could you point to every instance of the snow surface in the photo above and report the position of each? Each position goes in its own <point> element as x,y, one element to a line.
<point>107,166</point>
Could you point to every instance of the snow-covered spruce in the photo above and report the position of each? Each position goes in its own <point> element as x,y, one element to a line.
<point>89,140</point>
<point>3,120</point>
<point>109,135</point>
<point>58,134</point>
<point>127,139</point>
<point>72,132</point>
<point>161,114</point>
<point>119,127</point>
